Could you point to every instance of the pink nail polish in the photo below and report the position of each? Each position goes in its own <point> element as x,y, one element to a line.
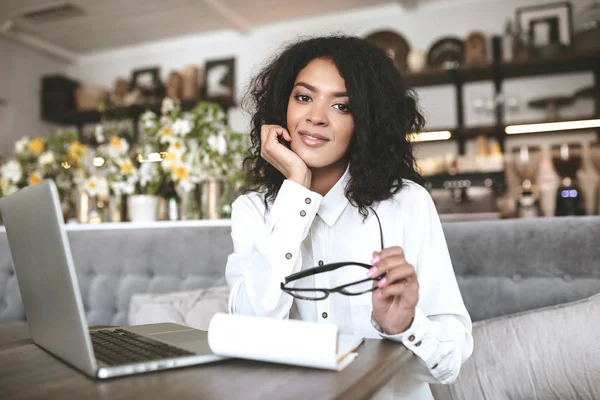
<point>372,272</point>
<point>375,260</point>
<point>382,282</point>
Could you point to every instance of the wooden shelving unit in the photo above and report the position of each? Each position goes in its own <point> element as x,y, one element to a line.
<point>462,180</point>
<point>498,73</point>
<point>77,118</point>
<point>559,64</point>
<point>133,112</point>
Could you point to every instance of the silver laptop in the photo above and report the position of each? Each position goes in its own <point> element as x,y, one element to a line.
<point>45,271</point>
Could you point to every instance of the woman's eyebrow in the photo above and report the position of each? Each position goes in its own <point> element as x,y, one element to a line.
<point>315,90</point>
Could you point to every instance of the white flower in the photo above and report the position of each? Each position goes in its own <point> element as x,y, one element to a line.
<point>21,145</point>
<point>126,167</point>
<point>149,124</point>
<point>46,158</point>
<point>121,188</point>
<point>7,187</point>
<point>217,143</point>
<point>176,147</point>
<point>185,186</point>
<point>166,135</point>
<point>182,127</point>
<point>149,120</point>
<point>117,147</point>
<point>99,133</point>
<point>168,105</point>
<point>12,171</point>
<point>95,186</point>
<point>193,146</point>
<point>180,171</point>
<point>148,172</point>
<point>148,115</point>
<point>78,176</point>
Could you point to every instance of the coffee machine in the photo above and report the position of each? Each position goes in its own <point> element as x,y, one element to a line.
<point>595,157</point>
<point>566,159</point>
<point>525,161</point>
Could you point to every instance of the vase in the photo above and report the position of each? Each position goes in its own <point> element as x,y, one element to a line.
<point>143,208</point>
<point>212,195</point>
<point>215,198</point>
<point>115,206</point>
<point>90,209</point>
<point>189,204</point>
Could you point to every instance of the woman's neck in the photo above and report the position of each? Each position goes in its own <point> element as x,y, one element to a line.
<point>323,179</point>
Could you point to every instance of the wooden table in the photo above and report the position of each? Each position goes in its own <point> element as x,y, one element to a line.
<point>28,372</point>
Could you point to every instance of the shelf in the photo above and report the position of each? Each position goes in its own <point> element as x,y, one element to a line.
<point>131,112</point>
<point>498,131</point>
<point>467,179</point>
<point>558,64</point>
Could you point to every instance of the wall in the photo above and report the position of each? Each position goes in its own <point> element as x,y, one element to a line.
<point>421,27</point>
<point>21,69</point>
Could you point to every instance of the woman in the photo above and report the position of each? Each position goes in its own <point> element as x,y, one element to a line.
<point>334,180</point>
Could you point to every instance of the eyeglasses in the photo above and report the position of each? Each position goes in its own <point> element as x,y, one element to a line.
<point>351,289</point>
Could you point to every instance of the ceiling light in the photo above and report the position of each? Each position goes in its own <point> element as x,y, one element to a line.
<point>430,136</point>
<point>552,126</point>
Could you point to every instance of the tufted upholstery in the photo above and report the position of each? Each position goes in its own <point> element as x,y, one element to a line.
<point>114,264</point>
<point>509,266</point>
<point>502,266</point>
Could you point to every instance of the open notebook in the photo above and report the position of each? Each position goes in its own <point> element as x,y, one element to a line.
<point>293,342</point>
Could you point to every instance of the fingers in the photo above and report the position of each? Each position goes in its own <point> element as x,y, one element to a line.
<point>385,260</point>
<point>401,273</point>
<point>270,133</point>
<point>407,291</point>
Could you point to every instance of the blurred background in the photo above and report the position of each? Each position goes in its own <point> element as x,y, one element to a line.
<point>133,107</point>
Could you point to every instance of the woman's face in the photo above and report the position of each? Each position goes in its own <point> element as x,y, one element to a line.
<point>318,117</point>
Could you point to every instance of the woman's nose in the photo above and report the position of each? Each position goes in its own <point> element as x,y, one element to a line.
<point>316,116</point>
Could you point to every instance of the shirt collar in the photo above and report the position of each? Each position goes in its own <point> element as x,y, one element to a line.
<point>335,201</point>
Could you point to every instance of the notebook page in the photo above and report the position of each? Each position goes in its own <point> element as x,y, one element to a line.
<point>291,342</point>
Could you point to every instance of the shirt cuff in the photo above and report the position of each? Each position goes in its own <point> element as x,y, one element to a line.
<point>419,338</point>
<point>293,198</point>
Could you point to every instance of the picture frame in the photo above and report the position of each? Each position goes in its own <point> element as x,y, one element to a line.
<point>147,82</point>
<point>547,25</point>
<point>219,81</point>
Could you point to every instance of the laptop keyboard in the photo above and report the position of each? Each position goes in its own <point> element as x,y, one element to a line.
<point>116,347</point>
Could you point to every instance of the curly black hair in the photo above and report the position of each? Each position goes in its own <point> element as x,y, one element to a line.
<point>385,111</point>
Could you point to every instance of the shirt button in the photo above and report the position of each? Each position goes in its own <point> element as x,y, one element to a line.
<point>302,213</point>
<point>411,338</point>
<point>320,263</point>
<point>324,315</point>
<point>288,255</point>
<point>307,200</point>
<point>417,344</point>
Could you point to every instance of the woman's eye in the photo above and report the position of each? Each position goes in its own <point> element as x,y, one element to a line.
<point>302,98</point>
<point>342,107</point>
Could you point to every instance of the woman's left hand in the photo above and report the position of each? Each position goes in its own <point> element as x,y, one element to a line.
<point>395,301</point>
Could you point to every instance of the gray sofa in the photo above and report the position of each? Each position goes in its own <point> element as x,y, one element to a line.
<point>504,268</point>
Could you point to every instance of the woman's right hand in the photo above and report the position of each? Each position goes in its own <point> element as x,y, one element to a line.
<point>281,157</point>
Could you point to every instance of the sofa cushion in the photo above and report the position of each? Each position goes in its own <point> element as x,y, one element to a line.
<point>191,308</point>
<point>548,353</point>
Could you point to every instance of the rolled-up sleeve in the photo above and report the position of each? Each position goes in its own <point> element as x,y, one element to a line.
<point>266,248</point>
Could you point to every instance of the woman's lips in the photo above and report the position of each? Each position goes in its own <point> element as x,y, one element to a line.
<point>312,139</point>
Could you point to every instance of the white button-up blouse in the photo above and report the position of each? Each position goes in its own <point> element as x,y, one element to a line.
<point>303,229</point>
